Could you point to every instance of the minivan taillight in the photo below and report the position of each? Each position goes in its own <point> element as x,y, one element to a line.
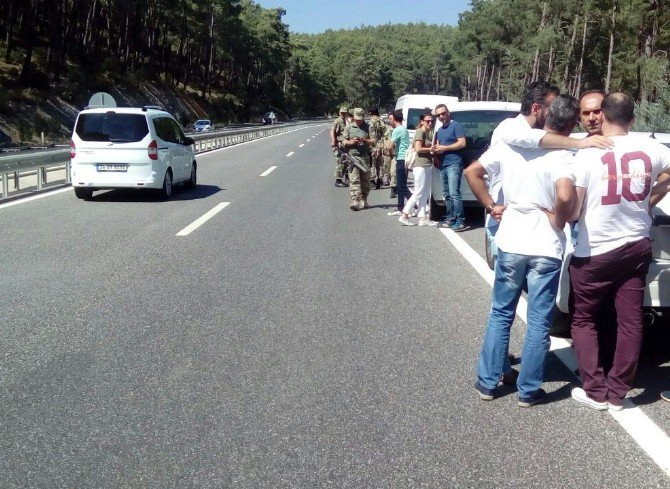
<point>73,149</point>
<point>153,150</point>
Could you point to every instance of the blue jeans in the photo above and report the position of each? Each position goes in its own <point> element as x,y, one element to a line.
<point>401,183</point>
<point>451,173</point>
<point>512,271</point>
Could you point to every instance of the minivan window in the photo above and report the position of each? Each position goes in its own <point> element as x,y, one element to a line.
<point>413,117</point>
<point>164,129</point>
<point>176,130</point>
<point>479,125</point>
<point>112,126</point>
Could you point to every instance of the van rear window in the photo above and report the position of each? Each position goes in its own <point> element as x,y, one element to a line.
<point>112,126</point>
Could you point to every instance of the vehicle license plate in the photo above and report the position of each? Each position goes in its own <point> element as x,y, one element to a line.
<point>112,167</point>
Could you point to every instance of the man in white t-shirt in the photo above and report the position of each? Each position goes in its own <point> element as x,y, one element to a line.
<point>530,242</point>
<point>613,250</point>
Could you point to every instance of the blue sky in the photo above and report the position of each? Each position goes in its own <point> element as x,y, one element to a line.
<point>314,16</point>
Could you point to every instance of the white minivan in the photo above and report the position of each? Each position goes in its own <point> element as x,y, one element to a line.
<point>123,147</point>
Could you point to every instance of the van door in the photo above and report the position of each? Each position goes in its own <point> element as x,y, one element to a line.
<point>167,143</point>
<point>183,153</point>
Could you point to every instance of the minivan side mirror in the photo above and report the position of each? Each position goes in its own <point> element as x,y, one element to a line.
<point>188,141</point>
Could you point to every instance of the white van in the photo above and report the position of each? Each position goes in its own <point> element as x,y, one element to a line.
<point>118,147</point>
<point>413,105</point>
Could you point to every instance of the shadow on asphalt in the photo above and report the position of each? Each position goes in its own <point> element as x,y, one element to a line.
<point>150,195</point>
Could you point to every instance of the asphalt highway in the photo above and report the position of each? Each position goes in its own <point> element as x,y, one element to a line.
<point>284,342</point>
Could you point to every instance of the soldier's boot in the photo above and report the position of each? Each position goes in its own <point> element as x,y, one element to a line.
<point>340,183</point>
<point>364,204</point>
<point>356,204</point>
<point>394,192</point>
<point>379,184</point>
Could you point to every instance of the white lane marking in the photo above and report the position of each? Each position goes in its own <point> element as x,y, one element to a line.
<point>35,197</point>
<point>301,145</point>
<point>203,219</point>
<point>290,154</point>
<point>648,436</point>
<point>268,171</point>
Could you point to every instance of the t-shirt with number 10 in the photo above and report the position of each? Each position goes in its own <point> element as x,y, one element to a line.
<point>618,184</point>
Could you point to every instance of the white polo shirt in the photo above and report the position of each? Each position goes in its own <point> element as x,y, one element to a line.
<point>618,183</point>
<point>529,179</point>
<point>514,131</point>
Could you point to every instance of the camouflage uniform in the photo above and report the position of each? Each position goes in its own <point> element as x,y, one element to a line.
<point>376,159</point>
<point>338,131</point>
<point>359,181</point>
<point>387,153</point>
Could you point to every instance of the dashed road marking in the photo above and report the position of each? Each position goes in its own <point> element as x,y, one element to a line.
<point>203,219</point>
<point>268,171</point>
<point>301,145</point>
<point>290,154</point>
<point>649,437</point>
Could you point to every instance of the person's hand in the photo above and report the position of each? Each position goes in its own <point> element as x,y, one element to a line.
<point>597,141</point>
<point>497,212</point>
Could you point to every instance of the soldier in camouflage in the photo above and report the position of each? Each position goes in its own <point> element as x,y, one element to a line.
<point>387,152</point>
<point>358,141</point>
<point>377,161</point>
<point>336,141</point>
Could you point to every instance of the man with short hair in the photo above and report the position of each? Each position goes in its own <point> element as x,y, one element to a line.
<point>613,250</point>
<point>336,133</point>
<point>400,138</point>
<point>449,140</point>
<point>590,112</point>
<point>357,140</point>
<point>531,244</point>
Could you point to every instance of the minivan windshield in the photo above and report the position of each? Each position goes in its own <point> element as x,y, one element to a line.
<point>479,125</point>
<point>112,126</point>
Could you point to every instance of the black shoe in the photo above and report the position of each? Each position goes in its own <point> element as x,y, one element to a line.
<point>394,193</point>
<point>536,398</point>
<point>340,183</point>
<point>379,183</point>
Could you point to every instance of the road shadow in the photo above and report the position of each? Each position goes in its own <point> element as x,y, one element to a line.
<point>150,195</point>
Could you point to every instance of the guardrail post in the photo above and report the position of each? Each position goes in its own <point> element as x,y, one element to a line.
<point>68,177</point>
<point>16,180</point>
<point>40,178</point>
<point>5,185</point>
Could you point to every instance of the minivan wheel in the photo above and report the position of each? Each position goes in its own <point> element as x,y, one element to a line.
<point>166,191</point>
<point>193,181</point>
<point>83,193</point>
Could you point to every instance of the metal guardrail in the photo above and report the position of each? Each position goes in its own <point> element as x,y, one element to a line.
<point>12,167</point>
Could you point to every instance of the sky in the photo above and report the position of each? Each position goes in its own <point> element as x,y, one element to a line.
<point>314,16</point>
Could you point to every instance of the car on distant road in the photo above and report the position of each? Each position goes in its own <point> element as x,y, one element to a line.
<point>141,148</point>
<point>202,125</point>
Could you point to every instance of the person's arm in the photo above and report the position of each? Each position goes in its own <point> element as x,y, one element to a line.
<point>333,139</point>
<point>578,203</point>
<point>557,141</point>
<point>459,144</point>
<point>563,206</point>
<point>474,174</point>
<point>661,188</point>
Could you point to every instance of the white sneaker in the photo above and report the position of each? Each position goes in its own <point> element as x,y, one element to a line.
<point>405,221</point>
<point>580,395</point>
<point>414,213</point>
<point>394,213</point>
<point>426,222</point>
